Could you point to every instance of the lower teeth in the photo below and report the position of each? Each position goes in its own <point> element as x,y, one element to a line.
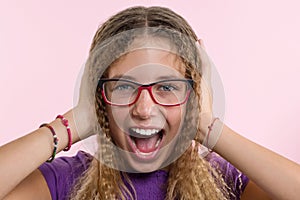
<point>145,154</point>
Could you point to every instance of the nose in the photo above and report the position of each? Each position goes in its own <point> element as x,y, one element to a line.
<point>144,107</point>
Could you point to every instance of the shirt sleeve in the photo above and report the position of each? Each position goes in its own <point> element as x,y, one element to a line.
<point>235,179</point>
<point>63,172</point>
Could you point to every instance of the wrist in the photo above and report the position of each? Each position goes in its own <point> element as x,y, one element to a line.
<point>63,132</point>
<point>211,128</point>
<point>205,121</point>
<point>65,138</point>
<point>214,130</point>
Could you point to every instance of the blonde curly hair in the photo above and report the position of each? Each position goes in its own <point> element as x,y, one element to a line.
<point>197,180</point>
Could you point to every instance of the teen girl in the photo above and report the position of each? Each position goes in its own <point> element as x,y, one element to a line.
<point>145,94</point>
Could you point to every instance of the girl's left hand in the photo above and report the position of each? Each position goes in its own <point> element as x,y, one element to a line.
<point>209,138</point>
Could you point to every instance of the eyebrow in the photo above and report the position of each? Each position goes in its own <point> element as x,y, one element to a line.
<point>124,77</point>
<point>169,77</point>
<point>159,78</point>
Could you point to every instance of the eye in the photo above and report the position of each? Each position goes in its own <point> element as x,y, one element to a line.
<point>167,87</point>
<point>123,87</point>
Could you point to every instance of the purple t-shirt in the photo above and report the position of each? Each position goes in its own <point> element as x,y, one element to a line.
<point>63,172</point>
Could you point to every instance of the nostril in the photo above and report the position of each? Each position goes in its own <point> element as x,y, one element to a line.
<point>142,112</point>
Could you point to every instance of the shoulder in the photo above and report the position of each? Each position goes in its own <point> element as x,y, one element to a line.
<point>235,179</point>
<point>63,172</point>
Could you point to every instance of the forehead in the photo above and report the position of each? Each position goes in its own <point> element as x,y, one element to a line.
<point>147,63</point>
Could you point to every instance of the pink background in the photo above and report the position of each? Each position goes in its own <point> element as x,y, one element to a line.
<point>254,44</point>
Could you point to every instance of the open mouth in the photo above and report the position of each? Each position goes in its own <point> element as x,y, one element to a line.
<point>145,143</point>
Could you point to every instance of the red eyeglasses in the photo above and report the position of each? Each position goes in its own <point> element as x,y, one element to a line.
<point>122,92</point>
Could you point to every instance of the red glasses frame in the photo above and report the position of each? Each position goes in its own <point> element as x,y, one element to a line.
<point>144,87</point>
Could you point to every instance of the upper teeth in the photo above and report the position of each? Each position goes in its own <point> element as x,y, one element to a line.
<point>145,131</point>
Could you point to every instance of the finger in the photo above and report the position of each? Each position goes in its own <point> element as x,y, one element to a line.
<point>205,61</point>
<point>205,85</point>
<point>201,43</point>
<point>206,64</point>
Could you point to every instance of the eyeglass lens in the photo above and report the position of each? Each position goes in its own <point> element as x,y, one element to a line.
<point>169,92</point>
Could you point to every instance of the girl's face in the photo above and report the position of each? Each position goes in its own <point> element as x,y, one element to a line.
<point>146,129</point>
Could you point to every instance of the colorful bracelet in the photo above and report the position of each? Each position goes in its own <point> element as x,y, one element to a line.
<point>65,122</point>
<point>210,127</point>
<point>55,141</point>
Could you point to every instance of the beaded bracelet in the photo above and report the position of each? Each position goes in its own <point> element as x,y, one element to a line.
<point>65,122</point>
<point>55,141</point>
<point>210,127</point>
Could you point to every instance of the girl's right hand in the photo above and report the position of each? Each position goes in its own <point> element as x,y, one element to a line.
<point>84,112</point>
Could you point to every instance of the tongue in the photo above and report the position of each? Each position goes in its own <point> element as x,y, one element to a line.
<point>146,145</point>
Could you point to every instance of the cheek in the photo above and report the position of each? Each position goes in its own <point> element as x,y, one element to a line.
<point>116,117</point>
<point>113,120</point>
<point>175,117</point>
